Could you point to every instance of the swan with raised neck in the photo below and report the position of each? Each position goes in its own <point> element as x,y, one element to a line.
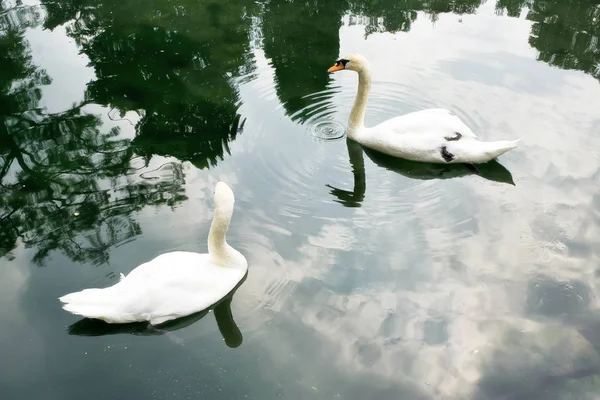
<point>358,63</point>
<point>433,135</point>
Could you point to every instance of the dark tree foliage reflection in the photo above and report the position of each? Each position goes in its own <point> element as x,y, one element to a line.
<point>566,33</point>
<point>301,39</point>
<point>175,63</point>
<point>64,181</point>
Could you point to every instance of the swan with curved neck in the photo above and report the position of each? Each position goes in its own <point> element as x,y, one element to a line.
<point>434,135</point>
<point>172,285</point>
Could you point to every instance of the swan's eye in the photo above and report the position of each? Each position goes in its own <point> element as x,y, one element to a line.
<point>339,65</point>
<point>342,61</point>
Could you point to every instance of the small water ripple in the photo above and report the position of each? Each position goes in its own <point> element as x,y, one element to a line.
<point>319,116</point>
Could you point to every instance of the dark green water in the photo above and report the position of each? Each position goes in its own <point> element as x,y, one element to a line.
<point>369,278</point>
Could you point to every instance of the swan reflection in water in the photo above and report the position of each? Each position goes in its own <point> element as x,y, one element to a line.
<point>222,311</point>
<point>492,170</point>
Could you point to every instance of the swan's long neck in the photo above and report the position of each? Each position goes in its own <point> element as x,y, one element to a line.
<point>218,248</point>
<point>356,123</point>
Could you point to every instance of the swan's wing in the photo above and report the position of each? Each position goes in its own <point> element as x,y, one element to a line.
<point>164,263</point>
<point>440,121</point>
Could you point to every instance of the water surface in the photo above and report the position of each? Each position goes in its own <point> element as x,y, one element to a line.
<point>369,277</point>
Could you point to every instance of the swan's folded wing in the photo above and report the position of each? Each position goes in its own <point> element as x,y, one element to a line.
<point>435,120</point>
<point>166,264</point>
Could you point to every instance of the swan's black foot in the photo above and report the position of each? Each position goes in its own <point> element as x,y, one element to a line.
<point>474,168</point>
<point>453,138</point>
<point>152,328</point>
<point>446,155</point>
<point>170,335</point>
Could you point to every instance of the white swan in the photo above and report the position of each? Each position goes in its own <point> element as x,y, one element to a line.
<point>434,135</point>
<point>173,284</point>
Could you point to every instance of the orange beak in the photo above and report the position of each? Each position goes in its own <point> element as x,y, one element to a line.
<point>336,67</point>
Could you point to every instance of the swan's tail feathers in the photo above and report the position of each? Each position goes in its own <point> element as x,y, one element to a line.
<point>502,146</point>
<point>475,151</point>
<point>91,303</point>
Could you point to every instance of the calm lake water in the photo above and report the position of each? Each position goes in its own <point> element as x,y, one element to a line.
<point>369,278</point>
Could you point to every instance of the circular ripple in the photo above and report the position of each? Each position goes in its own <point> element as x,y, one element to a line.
<point>320,116</point>
<point>328,130</point>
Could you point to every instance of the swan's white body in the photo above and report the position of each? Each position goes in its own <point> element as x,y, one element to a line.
<point>433,135</point>
<point>173,284</point>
